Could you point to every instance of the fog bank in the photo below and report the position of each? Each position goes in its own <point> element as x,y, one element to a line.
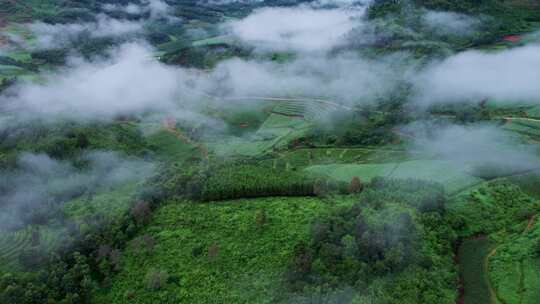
<point>510,75</point>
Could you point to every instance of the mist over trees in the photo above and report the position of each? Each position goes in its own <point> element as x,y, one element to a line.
<point>279,151</point>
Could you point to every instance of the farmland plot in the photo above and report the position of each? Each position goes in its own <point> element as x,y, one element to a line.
<point>430,170</point>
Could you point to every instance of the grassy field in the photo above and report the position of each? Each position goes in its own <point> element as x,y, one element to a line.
<point>228,252</point>
<point>304,157</point>
<point>106,204</point>
<point>431,170</point>
<point>472,256</point>
<point>243,118</point>
<point>170,147</point>
<point>275,133</point>
<point>529,183</point>
<point>346,172</point>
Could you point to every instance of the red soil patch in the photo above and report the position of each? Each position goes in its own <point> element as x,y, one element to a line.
<point>530,224</point>
<point>244,125</point>
<point>512,38</point>
<point>169,122</point>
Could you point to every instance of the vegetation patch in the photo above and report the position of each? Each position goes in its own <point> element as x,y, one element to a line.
<point>492,207</point>
<point>472,255</point>
<point>430,170</point>
<point>234,251</point>
<point>514,265</point>
<point>392,238</point>
<point>238,180</point>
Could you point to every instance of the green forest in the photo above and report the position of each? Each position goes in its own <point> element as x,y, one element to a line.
<point>273,151</point>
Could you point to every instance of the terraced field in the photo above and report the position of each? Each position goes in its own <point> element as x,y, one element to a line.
<point>310,109</point>
<point>13,243</point>
<point>525,126</point>
<point>11,72</point>
<point>276,132</point>
<point>106,205</point>
<point>289,119</point>
<point>304,157</point>
<point>293,109</point>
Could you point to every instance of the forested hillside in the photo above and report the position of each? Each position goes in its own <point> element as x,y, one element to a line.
<point>280,151</point>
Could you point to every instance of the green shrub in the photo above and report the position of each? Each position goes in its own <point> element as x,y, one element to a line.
<point>386,237</point>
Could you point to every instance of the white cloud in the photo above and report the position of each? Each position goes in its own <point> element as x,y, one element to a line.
<point>533,37</point>
<point>132,81</point>
<point>131,8</point>
<point>472,147</point>
<point>510,75</point>
<point>57,35</point>
<point>156,8</point>
<point>347,78</point>
<point>226,2</point>
<point>450,23</point>
<point>340,3</point>
<point>298,28</point>
<point>39,180</point>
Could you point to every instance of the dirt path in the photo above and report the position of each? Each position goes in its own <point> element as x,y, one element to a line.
<point>354,148</point>
<point>492,292</point>
<point>520,118</point>
<point>530,224</point>
<point>170,127</point>
<point>337,104</point>
<point>494,297</point>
